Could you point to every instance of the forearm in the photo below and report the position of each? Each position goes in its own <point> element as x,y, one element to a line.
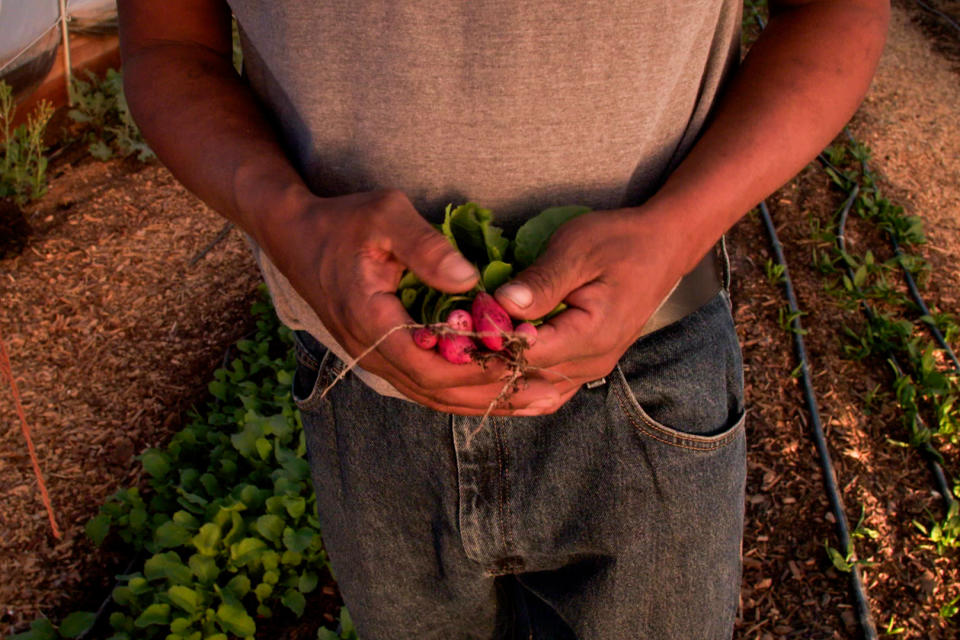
<point>800,83</point>
<point>207,128</point>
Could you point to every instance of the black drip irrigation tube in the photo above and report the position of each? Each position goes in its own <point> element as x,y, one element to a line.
<point>826,463</point>
<point>907,276</point>
<point>928,452</point>
<point>940,14</point>
<point>924,309</point>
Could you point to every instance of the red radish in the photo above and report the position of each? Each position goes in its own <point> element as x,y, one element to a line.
<point>527,332</point>
<point>460,320</point>
<point>425,338</point>
<point>490,320</point>
<point>456,348</point>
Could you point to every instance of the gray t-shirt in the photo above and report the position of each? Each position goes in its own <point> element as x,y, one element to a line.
<point>515,105</point>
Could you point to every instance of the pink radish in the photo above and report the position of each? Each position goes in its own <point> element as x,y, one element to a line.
<point>456,348</point>
<point>425,338</point>
<point>490,320</point>
<point>460,320</point>
<point>527,332</point>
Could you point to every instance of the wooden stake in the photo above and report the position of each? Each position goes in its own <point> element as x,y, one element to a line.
<point>67,67</point>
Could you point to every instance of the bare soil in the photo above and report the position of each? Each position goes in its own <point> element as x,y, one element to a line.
<point>113,333</point>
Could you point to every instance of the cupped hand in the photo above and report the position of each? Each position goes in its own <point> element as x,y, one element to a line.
<point>612,269</point>
<point>345,256</point>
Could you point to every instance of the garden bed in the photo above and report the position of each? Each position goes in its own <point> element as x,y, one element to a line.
<point>114,331</point>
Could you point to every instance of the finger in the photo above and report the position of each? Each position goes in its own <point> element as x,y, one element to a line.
<point>539,288</point>
<point>572,375</point>
<point>584,331</point>
<point>431,256</point>
<point>464,389</point>
<point>387,325</point>
<point>531,396</point>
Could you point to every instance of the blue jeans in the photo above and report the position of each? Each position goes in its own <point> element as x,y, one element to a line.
<point>618,517</point>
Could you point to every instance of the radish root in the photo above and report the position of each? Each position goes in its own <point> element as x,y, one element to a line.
<point>512,354</point>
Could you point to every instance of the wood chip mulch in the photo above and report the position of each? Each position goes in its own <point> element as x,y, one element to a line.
<point>113,335</point>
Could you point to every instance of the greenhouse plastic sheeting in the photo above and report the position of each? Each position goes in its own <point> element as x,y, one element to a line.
<point>94,17</point>
<point>30,35</point>
<point>28,41</point>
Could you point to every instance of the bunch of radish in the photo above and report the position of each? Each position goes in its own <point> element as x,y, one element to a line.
<point>469,327</point>
<point>487,323</point>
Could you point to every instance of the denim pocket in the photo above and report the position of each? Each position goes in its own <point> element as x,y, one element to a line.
<point>317,367</point>
<point>683,385</point>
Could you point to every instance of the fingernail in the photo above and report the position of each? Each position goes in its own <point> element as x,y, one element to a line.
<point>458,268</point>
<point>518,294</point>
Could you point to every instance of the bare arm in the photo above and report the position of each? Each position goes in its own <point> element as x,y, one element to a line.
<point>199,117</point>
<point>343,255</point>
<point>802,80</point>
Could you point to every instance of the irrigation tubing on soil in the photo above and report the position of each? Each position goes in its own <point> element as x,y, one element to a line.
<point>930,454</point>
<point>826,463</point>
<point>927,451</point>
<point>940,14</point>
<point>924,309</point>
<point>907,276</point>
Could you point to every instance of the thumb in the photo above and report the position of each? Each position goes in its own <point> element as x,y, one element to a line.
<point>431,256</point>
<point>539,288</point>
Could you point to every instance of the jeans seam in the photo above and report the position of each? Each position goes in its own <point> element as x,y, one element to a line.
<point>655,431</point>
<point>326,371</point>
<point>504,490</point>
<point>725,262</point>
<point>304,355</point>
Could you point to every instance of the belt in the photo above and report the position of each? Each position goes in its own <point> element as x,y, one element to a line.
<point>692,291</point>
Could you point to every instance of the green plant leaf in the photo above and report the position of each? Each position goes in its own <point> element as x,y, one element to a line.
<point>77,623</point>
<point>533,235</point>
<point>138,585</point>
<point>100,150</point>
<point>157,613</point>
<point>346,624</point>
<point>97,528</point>
<point>408,296</point>
<point>180,625</point>
<point>207,539</point>
<point>294,600</point>
<point>169,566</point>
<point>837,559</point>
<point>234,619</point>
<point>270,527</point>
<point>40,629</point>
<point>239,585</point>
<point>205,568</point>
<point>410,280</point>
<point>247,550</point>
<point>170,534</point>
<point>185,598</point>
<point>296,506</point>
<point>138,518</point>
<point>496,274</point>
<point>156,463</point>
<point>263,591</point>
<point>298,541</point>
<point>477,238</point>
<point>446,229</point>
<point>308,581</point>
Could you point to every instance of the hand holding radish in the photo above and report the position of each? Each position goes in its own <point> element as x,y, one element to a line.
<point>346,255</point>
<point>612,269</point>
<point>590,280</point>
